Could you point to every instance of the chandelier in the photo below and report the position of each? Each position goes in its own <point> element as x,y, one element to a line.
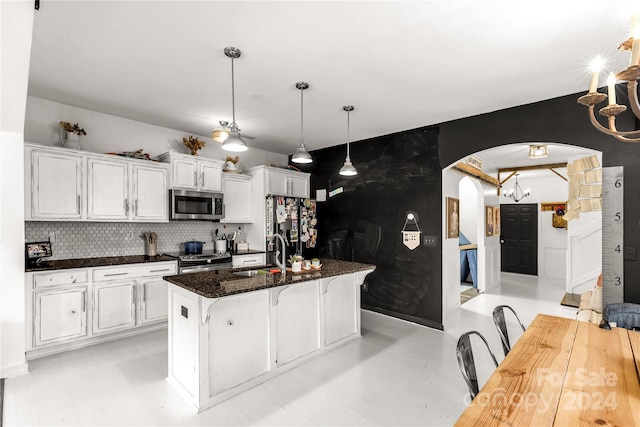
<point>631,75</point>
<point>516,193</point>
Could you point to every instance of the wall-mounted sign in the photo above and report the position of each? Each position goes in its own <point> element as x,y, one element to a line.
<point>411,238</point>
<point>475,162</point>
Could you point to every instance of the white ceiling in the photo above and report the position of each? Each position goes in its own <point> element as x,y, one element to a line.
<point>402,64</point>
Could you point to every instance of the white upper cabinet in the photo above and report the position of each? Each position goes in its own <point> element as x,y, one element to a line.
<point>53,185</point>
<point>108,190</point>
<point>150,194</point>
<point>68,185</point>
<point>193,173</point>
<point>287,183</point>
<point>237,198</point>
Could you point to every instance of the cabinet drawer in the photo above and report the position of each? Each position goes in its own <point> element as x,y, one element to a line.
<point>59,278</point>
<point>131,271</point>
<point>248,260</point>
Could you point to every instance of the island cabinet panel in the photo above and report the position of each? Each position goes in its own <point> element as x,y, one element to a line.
<point>297,321</point>
<point>239,340</point>
<point>222,342</point>
<point>183,343</point>
<point>341,304</point>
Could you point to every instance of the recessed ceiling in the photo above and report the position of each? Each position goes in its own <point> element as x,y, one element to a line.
<point>402,64</point>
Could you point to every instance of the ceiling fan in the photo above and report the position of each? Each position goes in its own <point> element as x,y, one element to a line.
<point>220,133</point>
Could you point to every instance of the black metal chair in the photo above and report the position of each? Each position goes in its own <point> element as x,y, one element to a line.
<point>501,325</point>
<point>467,363</point>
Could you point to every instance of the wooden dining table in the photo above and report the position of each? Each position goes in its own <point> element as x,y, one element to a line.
<point>562,372</point>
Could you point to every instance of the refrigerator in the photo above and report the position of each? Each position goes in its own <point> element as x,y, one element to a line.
<point>295,220</point>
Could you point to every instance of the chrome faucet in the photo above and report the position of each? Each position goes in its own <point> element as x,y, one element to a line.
<point>280,263</point>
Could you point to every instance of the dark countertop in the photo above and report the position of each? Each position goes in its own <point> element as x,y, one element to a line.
<point>222,283</point>
<point>96,262</point>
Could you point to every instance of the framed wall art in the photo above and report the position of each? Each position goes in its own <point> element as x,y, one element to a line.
<point>489,224</point>
<point>496,221</point>
<point>453,218</point>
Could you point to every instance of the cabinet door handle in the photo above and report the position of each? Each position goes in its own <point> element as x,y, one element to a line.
<point>84,302</point>
<point>135,206</point>
<point>159,271</point>
<point>115,274</point>
<point>126,201</point>
<point>202,179</point>
<point>195,178</point>
<point>78,203</point>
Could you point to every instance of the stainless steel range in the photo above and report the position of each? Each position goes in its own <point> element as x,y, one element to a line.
<point>206,261</point>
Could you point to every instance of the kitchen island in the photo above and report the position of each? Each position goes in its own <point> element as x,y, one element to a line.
<point>230,330</point>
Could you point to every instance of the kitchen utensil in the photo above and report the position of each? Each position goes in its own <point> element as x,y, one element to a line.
<point>221,246</point>
<point>193,247</point>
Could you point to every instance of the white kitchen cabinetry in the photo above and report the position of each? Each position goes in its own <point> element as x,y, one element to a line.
<point>76,307</point>
<point>237,191</point>
<point>297,321</point>
<point>70,185</point>
<point>123,191</point>
<point>154,300</point>
<point>220,347</point>
<point>53,185</point>
<point>283,182</point>
<point>267,181</point>
<point>239,326</point>
<point>249,260</point>
<point>108,190</point>
<point>59,315</point>
<point>150,194</point>
<point>191,173</point>
<point>114,306</point>
<point>340,297</point>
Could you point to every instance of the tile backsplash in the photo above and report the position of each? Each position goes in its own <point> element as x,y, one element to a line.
<point>102,239</point>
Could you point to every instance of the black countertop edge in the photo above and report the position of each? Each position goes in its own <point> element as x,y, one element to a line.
<point>62,264</point>
<point>222,283</point>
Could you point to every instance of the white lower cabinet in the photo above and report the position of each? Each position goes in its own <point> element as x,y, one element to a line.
<point>114,306</point>
<point>340,297</point>
<point>297,321</point>
<point>76,307</point>
<point>154,300</point>
<point>60,315</point>
<point>239,343</point>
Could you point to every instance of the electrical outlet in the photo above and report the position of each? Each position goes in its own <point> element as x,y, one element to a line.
<point>52,236</point>
<point>431,241</point>
<point>131,235</point>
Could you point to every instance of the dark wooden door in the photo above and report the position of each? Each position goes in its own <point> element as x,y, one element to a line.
<point>519,238</point>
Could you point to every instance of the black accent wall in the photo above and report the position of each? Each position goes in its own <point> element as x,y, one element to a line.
<point>401,173</point>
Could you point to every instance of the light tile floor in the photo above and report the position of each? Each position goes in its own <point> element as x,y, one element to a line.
<point>398,374</point>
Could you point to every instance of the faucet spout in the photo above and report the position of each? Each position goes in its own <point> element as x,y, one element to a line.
<point>283,253</point>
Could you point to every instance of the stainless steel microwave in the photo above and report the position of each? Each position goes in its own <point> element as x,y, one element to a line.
<point>196,205</point>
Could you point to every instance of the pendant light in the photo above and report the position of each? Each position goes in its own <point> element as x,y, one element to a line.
<point>302,155</point>
<point>234,141</point>
<point>347,168</point>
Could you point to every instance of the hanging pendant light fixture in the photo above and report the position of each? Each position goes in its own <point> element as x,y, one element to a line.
<point>234,141</point>
<point>302,155</point>
<point>516,193</point>
<point>347,168</point>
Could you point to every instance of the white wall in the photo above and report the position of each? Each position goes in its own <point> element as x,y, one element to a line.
<point>107,133</point>
<point>468,211</point>
<point>450,250</point>
<point>489,248</point>
<point>16,25</point>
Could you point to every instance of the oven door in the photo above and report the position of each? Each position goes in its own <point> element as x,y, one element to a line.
<point>196,205</point>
